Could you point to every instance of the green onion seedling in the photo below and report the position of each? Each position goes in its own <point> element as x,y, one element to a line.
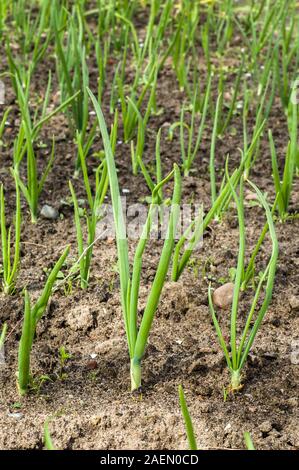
<point>239,351</point>
<point>73,74</point>
<point>64,356</point>
<point>32,314</point>
<point>32,34</point>
<point>137,153</point>
<point>225,26</point>
<point>261,116</point>
<point>189,154</point>
<point>24,146</point>
<point>205,41</point>
<point>102,56</point>
<point>258,34</point>
<point>158,170</point>
<point>185,37</point>
<point>47,437</point>
<point>190,428</point>
<point>148,63</point>
<point>249,272</point>
<point>92,214</point>
<point>212,150</point>
<point>137,337</point>
<point>10,263</point>
<point>283,187</point>
<point>131,106</point>
<point>199,226</point>
<point>3,16</point>
<point>286,55</point>
<point>220,206</point>
<point>236,88</point>
<point>248,441</point>
<point>188,420</point>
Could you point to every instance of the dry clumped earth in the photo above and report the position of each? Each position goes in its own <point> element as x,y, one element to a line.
<point>89,400</point>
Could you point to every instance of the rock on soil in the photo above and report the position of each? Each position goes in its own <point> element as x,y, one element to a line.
<point>223,296</point>
<point>49,212</point>
<point>294,302</point>
<point>80,318</point>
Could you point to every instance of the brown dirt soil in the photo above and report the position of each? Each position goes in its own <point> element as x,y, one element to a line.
<point>90,401</point>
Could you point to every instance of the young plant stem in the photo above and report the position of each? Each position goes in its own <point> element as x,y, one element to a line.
<point>47,437</point>
<point>10,264</point>
<point>92,213</point>
<point>188,421</point>
<point>32,314</point>
<point>248,441</point>
<point>212,151</point>
<point>283,187</point>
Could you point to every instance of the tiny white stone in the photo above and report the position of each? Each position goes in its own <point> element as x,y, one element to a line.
<point>15,415</point>
<point>49,212</point>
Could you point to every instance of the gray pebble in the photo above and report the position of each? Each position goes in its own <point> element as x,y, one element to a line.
<point>49,212</point>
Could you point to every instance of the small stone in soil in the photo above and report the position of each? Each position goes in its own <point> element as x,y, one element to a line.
<point>49,212</point>
<point>294,302</point>
<point>227,427</point>
<point>223,296</point>
<point>92,365</point>
<point>265,427</point>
